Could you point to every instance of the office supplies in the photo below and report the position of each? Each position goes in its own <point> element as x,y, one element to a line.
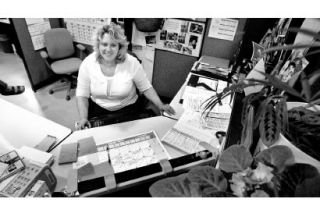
<point>36,155</point>
<point>68,153</point>
<point>21,183</point>
<point>47,143</point>
<point>11,164</point>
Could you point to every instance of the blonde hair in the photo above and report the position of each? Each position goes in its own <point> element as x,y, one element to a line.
<point>117,33</point>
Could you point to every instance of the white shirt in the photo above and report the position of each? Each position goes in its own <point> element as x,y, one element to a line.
<point>111,93</point>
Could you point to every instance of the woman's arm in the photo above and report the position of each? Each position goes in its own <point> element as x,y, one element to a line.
<point>152,95</point>
<point>83,106</point>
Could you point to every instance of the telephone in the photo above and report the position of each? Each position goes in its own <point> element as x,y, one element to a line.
<point>20,184</point>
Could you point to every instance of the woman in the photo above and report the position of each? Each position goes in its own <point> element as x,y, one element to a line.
<point>110,76</point>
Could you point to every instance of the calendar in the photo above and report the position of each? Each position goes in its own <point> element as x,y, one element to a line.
<point>134,152</point>
<point>83,29</point>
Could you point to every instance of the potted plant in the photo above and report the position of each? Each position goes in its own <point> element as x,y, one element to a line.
<point>273,170</point>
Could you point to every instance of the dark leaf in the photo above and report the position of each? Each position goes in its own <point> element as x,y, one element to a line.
<point>209,192</point>
<point>287,181</point>
<point>277,156</point>
<point>282,113</point>
<point>310,187</point>
<point>208,177</point>
<point>236,158</point>
<point>270,126</point>
<point>179,186</point>
<point>306,90</point>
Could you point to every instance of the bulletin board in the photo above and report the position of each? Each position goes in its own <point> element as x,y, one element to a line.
<point>83,29</point>
<point>37,27</point>
<point>180,36</point>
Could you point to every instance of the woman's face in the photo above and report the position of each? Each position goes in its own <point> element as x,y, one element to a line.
<point>109,48</point>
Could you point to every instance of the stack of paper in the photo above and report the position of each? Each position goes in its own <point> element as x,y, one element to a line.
<point>219,66</point>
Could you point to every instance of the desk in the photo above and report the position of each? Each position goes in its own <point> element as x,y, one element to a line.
<point>23,128</point>
<point>103,134</point>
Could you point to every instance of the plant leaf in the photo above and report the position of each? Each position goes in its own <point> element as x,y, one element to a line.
<point>310,187</point>
<point>236,158</point>
<point>277,156</point>
<point>208,177</point>
<point>270,126</point>
<point>287,181</point>
<point>211,193</point>
<point>291,47</point>
<point>311,33</point>
<point>259,193</point>
<point>247,131</point>
<point>306,90</point>
<point>275,82</point>
<point>179,186</point>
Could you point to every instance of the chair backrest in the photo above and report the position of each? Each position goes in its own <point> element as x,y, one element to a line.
<point>59,43</point>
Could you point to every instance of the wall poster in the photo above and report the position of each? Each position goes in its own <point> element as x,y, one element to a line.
<point>37,27</point>
<point>180,36</point>
<point>83,29</point>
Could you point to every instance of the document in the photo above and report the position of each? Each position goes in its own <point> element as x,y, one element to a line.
<point>190,131</point>
<point>223,28</point>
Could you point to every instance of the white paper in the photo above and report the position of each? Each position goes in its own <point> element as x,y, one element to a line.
<point>138,37</point>
<point>36,29</point>
<point>193,97</point>
<point>223,28</point>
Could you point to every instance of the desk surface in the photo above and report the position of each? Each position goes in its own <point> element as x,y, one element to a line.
<point>159,124</point>
<point>23,128</point>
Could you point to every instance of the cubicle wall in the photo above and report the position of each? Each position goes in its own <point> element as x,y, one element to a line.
<point>223,48</point>
<point>171,69</point>
<point>36,69</point>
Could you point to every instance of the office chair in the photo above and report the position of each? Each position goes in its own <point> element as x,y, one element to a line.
<point>60,57</point>
<point>148,110</point>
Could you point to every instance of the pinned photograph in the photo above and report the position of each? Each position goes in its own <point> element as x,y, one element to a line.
<point>182,39</point>
<point>196,28</point>
<point>292,68</point>
<point>193,40</point>
<point>172,36</point>
<point>151,39</point>
<point>184,28</point>
<point>177,46</point>
<point>163,35</point>
<point>186,50</point>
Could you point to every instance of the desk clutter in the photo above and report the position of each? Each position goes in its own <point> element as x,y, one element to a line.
<point>196,126</point>
<point>25,178</point>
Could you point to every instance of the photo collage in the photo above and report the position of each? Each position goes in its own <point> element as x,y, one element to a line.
<point>182,36</point>
<point>175,35</point>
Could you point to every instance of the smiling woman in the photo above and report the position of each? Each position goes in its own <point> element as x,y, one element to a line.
<point>108,79</point>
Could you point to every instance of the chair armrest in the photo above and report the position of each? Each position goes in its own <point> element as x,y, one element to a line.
<point>81,47</point>
<point>44,54</point>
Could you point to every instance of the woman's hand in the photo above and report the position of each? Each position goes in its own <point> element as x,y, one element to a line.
<point>82,124</point>
<point>167,108</point>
